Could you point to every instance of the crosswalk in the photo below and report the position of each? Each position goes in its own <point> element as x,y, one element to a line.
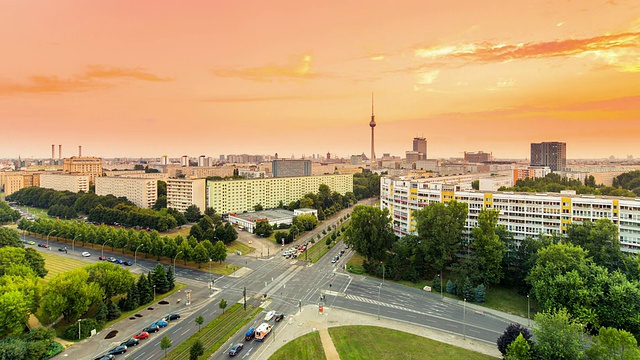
<point>393,306</point>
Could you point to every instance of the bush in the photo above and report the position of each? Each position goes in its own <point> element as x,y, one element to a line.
<point>510,334</point>
<point>480,293</point>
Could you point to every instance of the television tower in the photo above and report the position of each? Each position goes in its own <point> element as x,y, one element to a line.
<point>372,124</point>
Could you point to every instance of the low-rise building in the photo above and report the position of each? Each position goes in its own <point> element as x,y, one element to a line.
<point>247,221</point>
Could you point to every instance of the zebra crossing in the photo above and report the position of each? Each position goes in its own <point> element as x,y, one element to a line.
<point>393,306</point>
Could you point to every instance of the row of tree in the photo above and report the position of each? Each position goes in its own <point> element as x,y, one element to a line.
<point>213,229</point>
<point>555,183</point>
<point>7,214</point>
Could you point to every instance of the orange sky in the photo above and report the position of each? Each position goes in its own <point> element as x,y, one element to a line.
<point>148,78</point>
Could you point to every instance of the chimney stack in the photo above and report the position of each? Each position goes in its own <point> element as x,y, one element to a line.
<point>53,151</point>
<point>60,152</point>
<point>80,150</point>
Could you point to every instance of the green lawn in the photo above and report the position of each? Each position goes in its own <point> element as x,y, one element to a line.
<point>236,246</point>
<point>508,300</point>
<point>370,342</point>
<point>57,264</point>
<point>308,347</point>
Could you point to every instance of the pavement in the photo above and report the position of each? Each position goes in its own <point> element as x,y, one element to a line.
<point>309,319</point>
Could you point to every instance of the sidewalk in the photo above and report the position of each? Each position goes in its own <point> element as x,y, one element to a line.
<point>310,320</point>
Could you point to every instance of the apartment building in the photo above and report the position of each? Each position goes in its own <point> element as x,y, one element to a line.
<point>83,165</point>
<point>65,182</point>
<point>524,214</point>
<point>182,193</point>
<point>551,154</point>
<point>242,195</point>
<point>286,168</point>
<point>140,191</point>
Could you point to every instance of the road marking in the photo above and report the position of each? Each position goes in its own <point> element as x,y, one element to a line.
<point>186,331</point>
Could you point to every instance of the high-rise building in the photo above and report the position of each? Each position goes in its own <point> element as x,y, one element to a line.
<point>372,124</point>
<point>184,160</point>
<point>182,193</point>
<point>287,168</point>
<point>142,192</point>
<point>420,146</point>
<point>65,182</point>
<point>551,154</point>
<point>477,157</point>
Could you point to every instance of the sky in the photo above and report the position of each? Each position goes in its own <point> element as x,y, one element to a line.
<point>151,78</point>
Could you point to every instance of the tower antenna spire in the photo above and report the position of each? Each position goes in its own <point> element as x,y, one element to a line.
<point>372,124</point>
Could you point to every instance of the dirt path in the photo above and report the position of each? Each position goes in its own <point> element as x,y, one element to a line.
<point>327,344</point>
<point>35,323</point>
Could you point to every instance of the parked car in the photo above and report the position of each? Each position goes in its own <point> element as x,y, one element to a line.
<point>151,329</point>
<point>127,263</point>
<point>86,254</point>
<point>172,317</point>
<point>102,258</point>
<point>63,249</point>
<point>235,349</point>
<point>335,258</point>
<point>105,357</point>
<point>250,334</point>
<point>111,259</point>
<point>141,335</point>
<point>270,315</point>
<point>278,317</point>
<point>119,261</point>
<point>162,323</point>
<point>31,242</point>
<point>131,342</point>
<point>43,245</point>
<point>121,349</point>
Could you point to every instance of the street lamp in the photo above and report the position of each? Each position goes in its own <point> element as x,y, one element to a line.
<point>73,243</point>
<point>528,310</point>
<point>464,320</point>
<point>210,278</point>
<point>103,244</point>
<point>79,336</point>
<point>174,262</point>
<point>441,280</point>
<point>154,293</point>
<point>50,232</point>
<point>379,288</point>
<point>135,255</point>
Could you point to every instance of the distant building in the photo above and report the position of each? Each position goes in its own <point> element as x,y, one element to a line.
<point>420,146</point>
<point>83,165</point>
<point>355,160</point>
<point>249,220</point>
<point>287,168</point>
<point>413,156</point>
<point>65,182</point>
<point>182,193</point>
<point>551,154</point>
<point>184,160</point>
<point>477,157</point>
<point>142,192</point>
<point>531,172</point>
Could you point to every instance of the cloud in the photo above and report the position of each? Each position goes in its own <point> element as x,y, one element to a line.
<point>504,84</point>
<point>95,77</point>
<point>378,57</point>
<point>298,68</point>
<point>622,51</point>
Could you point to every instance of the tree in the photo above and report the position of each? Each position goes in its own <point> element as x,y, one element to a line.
<point>171,279</point>
<point>19,297</point>
<point>145,292</point>
<point>113,279</point>
<point>611,343</point>
<point>160,279</point>
<point>263,228</point>
<point>192,213</point>
<point>133,299</point>
<point>510,334</point>
<point>600,239</point>
<point>165,344</point>
<point>488,249</point>
<point>9,237</point>
<point>219,252</point>
<point>113,312</point>
<point>480,294</point>
<point>441,226</point>
<point>199,320</point>
<point>197,349</point>
<point>558,336</point>
<point>200,254</point>
<point>35,261</point>
<point>370,232</point>
<point>70,294</point>
<point>519,349</point>
<point>223,304</point>
<point>258,207</point>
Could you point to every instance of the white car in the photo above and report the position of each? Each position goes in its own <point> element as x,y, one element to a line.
<point>86,254</point>
<point>270,315</point>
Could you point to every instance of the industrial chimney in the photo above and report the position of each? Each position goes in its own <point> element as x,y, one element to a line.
<point>80,150</point>
<point>60,152</point>
<point>53,151</point>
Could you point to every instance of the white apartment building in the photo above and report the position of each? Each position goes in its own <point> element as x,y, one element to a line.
<point>65,182</point>
<point>524,214</point>
<point>182,193</point>
<point>242,195</point>
<point>142,192</point>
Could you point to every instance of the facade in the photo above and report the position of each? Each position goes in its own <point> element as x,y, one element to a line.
<point>248,220</point>
<point>413,156</point>
<point>551,154</point>
<point>83,165</point>
<point>203,172</point>
<point>287,168</point>
<point>493,183</point>
<point>13,181</point>
<point>531,172</point>
<point>65,182</point>
<point>477,157</point>
<point>303,211</point>
<point>182,193</point>
<point>420,146</point>
<point>142,192</point>
<point>235,196</point>
<point>524,214</point>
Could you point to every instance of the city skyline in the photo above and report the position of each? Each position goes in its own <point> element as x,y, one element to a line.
<point>146,79</point>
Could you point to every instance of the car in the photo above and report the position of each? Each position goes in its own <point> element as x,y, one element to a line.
<point>63,249</point>
<point>102,258</point>
<point>342,251</point>
<point>151,329</point>
<point>250,334</point>
<point>111,259</point>
<point>235,349</point>
<point>162,323</point>
<point>121,349</point>
<point>86,254</point>
<point>172,317</point>
<point>127,263</point>
<point>105,357</point>
<point>141,335</point>
<point>119,261</point>
<point>278,317</point>
<point>31,242</point>
<point>270,315</point>
<point>43,245</point>
<point>335,258</point>
<point>131,342</point>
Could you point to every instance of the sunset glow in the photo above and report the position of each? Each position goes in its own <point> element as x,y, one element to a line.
<point>144,78</point>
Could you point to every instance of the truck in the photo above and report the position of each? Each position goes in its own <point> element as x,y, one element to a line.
<point>251,333</point>
<point>262,331</point>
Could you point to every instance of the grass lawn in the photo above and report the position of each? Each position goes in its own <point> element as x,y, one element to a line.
<point>508,300</point>
<point>236,246</point>
<point>354,265</point>
<point>183,231</point>
<point>57,264</point>
<point>370,342</point>
<point>307,347</point>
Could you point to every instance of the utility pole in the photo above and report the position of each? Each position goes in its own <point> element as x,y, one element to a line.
<point>244,294</point>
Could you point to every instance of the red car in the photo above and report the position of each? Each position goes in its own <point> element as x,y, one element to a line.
<point>141,335</point>
<point>102,258</point>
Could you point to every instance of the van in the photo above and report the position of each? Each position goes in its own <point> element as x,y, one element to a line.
<point>251,333</point>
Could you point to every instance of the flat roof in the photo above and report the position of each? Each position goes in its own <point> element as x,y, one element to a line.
<point>271,215</point>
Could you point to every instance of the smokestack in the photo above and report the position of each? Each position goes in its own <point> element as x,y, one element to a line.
<point>79,150</point>
<point>60,152</point>
<point>53,151</point>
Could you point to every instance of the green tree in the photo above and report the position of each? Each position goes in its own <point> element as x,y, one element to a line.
<point>192,213</point>
<point>219,252</point>
<point>519,349</point>
<point>69,294</point>
<point>558,336</point>
<point>263,228</point>
<point>611,343</point>
<point>258,207</point>
<point>171,279</point>
<point>113,279</point>
<point>19,297</point>
<point>145,291</point>
<point>197,349</point>
<point>160,279</point>
<point>35,261</point>
<point>161,202</point>
<point>162,188</point>
<point>9,237</point>
<point>165,344</point>
<point>132,300</point>
<point>370,232</point>
<point>223,304</point>
<point>200,255</point>
<point>488,248</point>
<point>600,239</point>
<point>185,251</point>
<point>199,320</point>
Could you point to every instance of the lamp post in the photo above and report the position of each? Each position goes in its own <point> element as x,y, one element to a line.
<point>174,262</point>
<point>210,278</point>
<point>73,243</point>
<point>103,244</point>
<point>154,293</point>
<point>441,288</point>
<point>50,232</point>
<point>135,255</point>
<point>379,288</point>
<point>528,310</point>
<point>79,336</point>
<point>464,320</point>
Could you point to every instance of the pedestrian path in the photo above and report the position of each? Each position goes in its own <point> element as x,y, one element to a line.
<point>329,349</point>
